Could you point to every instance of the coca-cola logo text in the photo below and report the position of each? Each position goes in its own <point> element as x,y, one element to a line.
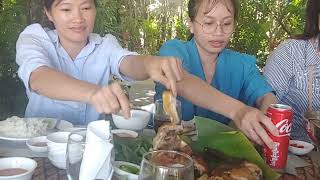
<point>284,127</point>
<point>275,154</point>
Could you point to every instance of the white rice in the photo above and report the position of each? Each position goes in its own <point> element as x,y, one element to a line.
<point>23,127</point>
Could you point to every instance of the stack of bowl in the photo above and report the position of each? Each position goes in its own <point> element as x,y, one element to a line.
<point>57,148</point>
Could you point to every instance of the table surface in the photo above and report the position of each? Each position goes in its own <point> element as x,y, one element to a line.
<point>46,171</point>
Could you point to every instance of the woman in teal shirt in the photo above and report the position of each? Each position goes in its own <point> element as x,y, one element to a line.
<point>206,56</point>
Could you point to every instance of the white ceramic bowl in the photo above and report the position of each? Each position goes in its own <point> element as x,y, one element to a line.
<point>58,159</point>
<point>300,147</point>
<point>74,129</point>
<point>59,164</point>
<point>18,162</point>
<point>120,172</point>
<point>57,148</point>
<point>57,141</point>
<point>139,119</point>
<point>124,133</point>
<point>31,143</point>
<point>58,137</point>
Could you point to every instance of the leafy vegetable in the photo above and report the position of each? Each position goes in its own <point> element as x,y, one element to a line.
<point>129,169</point>
<point>131,149</point>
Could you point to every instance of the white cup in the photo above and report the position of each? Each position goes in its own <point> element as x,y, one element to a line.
<point>57,148</point>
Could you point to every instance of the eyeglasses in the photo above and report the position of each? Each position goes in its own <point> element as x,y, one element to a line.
<point>227,27</point>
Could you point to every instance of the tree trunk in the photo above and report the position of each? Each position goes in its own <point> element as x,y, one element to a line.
<point>34,11</point>
<point>28,11</point>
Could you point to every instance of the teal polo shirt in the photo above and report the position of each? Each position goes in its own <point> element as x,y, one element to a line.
<point>236,75</point>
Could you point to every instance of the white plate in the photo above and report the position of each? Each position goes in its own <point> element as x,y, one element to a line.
<point>304,149</point>
<point>126,133</point>
<point>54,125</point>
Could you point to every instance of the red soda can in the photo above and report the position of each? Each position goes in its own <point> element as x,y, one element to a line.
<point>281,117</point>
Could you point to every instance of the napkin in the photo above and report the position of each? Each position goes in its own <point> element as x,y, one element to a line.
<point>150,108</point>
<point>96,162</point>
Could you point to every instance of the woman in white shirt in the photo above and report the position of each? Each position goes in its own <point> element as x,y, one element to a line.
<point>66,70</point>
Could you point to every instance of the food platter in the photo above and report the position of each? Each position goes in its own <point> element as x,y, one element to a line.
<point>216,143</point>
<point>50,125</point>
<point>217,150</point>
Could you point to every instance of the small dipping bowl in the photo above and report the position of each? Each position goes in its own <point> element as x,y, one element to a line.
<point>300,147</point>
<point>17,168</point>
<point>38,144</point>
<point>122,172</point>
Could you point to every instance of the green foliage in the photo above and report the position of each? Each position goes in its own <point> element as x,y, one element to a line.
<point>12,20</point>
<point>107,21</point>
<point>263,24</point>
<point>131,150</point>
<point>143,26</point>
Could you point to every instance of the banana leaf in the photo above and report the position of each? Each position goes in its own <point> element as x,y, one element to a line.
<point>228,142</point>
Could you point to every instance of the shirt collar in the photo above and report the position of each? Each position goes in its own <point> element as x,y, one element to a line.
<point>94,39</point>
<point>196,61</point>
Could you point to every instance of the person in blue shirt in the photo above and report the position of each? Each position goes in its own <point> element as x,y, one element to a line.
<point>232,73</point>
<point>66,69</point>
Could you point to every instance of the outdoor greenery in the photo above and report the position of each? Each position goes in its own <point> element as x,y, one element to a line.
<point>143,26</point>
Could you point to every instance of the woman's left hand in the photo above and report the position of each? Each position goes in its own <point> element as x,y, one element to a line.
<point>165,70</point>
<point>255,124</point>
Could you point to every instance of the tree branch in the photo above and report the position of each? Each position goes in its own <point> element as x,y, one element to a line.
<point>282,25</point>
<point>278,19</point>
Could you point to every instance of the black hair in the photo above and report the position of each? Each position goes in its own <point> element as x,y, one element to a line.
<point>194,5</point>
<point>311,28</point>
<point>48,3</point>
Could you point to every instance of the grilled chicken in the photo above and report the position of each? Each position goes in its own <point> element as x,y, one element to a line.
<point>167,137</point>
<point>243,171</point>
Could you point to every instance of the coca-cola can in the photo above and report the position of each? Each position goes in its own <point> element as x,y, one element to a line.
<point>281,117</point>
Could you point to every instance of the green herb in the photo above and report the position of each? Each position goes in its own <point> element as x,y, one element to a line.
<point>131,149</point>
<point>129,169</point>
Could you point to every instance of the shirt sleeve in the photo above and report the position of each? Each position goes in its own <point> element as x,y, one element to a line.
<point>278,69</point>
<point>117,55</point>
<point>173,48</point>
<point>170,49</point>
<point>255,85</point>
<point>30,53</point>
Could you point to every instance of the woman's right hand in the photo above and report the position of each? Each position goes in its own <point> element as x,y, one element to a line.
<point>110,99</point>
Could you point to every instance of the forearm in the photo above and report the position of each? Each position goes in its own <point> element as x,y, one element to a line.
<point>264,102</point>
<point>134,67</point>
<point>56,85</point>
<point>203,95</point>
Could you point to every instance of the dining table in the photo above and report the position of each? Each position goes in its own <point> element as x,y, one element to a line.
<point>47,171</point>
